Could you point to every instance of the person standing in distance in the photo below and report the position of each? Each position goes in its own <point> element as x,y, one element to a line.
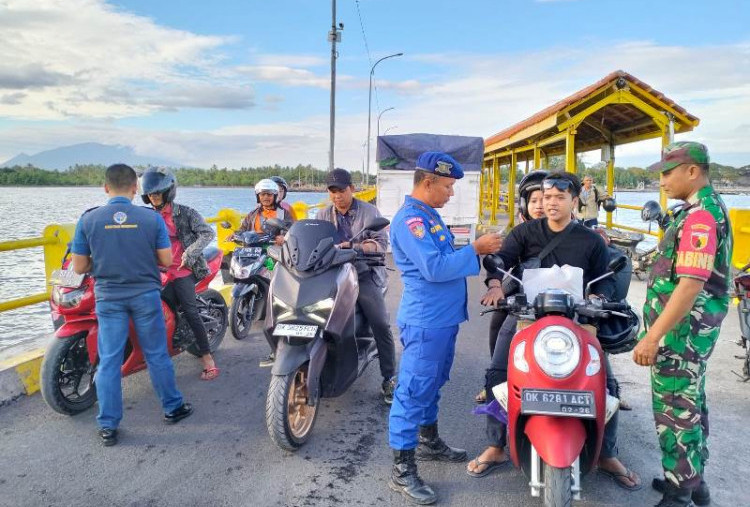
<point>121,244</point>
<point>432,306</point>
<point>350,215</point>
<point>687,299</point>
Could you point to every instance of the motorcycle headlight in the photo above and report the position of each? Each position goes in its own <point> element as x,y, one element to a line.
<point>319,311</point>
<point>68,299</point>
<point>241,272</point>
<point>557,351</point>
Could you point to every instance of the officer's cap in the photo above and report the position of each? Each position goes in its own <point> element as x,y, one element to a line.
<point>441,164</point>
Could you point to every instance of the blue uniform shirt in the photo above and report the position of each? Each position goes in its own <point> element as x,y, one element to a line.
<point>434,273</point>
<point>121,240</point>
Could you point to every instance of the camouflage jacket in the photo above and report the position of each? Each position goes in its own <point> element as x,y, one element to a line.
<point>697,244</point>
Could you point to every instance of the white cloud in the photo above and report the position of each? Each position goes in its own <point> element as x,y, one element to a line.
<point>86,58</point>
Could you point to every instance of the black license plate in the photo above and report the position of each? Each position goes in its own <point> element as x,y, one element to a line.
<point>560,403</point>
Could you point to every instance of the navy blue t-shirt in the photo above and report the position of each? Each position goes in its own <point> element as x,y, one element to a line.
<point>121,240</point>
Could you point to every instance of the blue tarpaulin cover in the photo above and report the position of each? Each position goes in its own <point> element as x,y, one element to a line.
<point>401,151</point>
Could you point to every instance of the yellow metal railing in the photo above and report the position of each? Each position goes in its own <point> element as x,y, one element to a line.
<point>55,239</point>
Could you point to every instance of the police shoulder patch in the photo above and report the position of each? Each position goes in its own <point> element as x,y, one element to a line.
<point>416,226</point>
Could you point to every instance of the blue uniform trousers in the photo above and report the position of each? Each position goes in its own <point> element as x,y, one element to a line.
<point>148,320</point>
<point>425,366</point>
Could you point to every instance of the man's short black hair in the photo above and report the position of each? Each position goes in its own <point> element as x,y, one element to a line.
<point>120,177</point>
<point>575,188</point>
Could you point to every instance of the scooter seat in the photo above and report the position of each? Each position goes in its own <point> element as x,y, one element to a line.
<point>211,252</point>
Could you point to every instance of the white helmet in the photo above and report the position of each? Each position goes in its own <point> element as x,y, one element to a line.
<point>266,185</point>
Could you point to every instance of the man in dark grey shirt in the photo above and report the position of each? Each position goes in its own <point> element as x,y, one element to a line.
<point>350,215</point>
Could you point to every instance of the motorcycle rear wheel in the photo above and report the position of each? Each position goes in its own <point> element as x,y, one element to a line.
<point>289,419</point>
<point>214,315</point>
<point>557,487</point>
<point>67,375</point>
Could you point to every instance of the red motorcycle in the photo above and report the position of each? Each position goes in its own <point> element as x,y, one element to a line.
<point>742,293</point>
<point>69,365</point>
<point>555,398</point>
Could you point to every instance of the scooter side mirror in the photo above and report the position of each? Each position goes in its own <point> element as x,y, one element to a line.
<point>493,263</point>
<point>617,264</point>
<point>651,212</point>
<point>377,224</point>
<point>277,224</point>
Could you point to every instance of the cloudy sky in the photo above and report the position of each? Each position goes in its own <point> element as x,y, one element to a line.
<point>246,82</point>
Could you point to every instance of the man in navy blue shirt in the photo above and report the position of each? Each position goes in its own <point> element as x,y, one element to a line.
<point>120,244</point>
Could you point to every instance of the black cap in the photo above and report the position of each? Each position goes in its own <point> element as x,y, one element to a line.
<point>338,178</point>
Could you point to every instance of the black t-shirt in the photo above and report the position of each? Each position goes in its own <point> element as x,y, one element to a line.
<point>581,248</point>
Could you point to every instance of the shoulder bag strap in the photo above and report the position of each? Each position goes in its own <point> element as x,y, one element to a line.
<point>556,240</point>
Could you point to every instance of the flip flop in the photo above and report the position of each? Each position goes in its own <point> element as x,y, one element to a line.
<point>489,467</point>
<point>210,373</point>
<point>481,397</point>
<point>617,478</point>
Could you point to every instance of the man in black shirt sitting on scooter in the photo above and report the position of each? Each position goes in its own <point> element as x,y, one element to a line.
<point>578,247</point>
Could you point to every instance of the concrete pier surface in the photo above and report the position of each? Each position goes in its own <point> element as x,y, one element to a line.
<point>222,455</point>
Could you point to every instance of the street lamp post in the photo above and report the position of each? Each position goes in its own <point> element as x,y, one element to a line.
<point>369,110</point>
<point>381,114</point>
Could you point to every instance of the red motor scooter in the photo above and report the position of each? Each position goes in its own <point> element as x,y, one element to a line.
<point>556,397</point>
<point>67,373</point>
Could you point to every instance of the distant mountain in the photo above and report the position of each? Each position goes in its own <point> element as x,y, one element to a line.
<point>86,153</point>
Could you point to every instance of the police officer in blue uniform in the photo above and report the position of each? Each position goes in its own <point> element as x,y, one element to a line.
<point>432,306</point>
<point>120,244</point>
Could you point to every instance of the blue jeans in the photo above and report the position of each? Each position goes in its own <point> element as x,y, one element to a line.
<point>425,367</point>
<point>148,320</point>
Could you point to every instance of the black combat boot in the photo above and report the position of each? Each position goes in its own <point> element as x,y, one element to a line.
<point>675,497</point>
<point>405,480</point>
<point>701,495</point>
<point>432,448</point>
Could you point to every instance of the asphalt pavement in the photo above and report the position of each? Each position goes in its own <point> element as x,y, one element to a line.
<point>222,455</point>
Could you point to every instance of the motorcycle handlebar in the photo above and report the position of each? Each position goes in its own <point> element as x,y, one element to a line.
<point>617,307</point>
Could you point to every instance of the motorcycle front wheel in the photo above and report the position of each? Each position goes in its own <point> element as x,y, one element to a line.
<point>243,313</point>
<point>67,375</point>
<point>290,420</point>
<point>557,487</point>
<point>213,311</point>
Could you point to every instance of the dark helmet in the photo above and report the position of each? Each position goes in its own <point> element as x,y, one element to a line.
<point>158,180</point>
<point>609,204</point>
<point>282,183</point>
<point>528,184</point>
<point>618,334</point>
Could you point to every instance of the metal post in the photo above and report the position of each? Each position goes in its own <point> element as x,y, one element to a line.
<point>369,111</point>
<point>334,36</point>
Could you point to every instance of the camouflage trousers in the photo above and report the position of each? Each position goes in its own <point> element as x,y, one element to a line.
<point>678,386</point>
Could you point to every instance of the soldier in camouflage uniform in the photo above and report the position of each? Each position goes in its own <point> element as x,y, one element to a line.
<point>686,301</point>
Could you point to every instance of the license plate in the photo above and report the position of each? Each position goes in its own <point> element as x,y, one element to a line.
<point>298,330</point>
<point>560,403</point>
<point>66,278</point>
<point>251,251</point>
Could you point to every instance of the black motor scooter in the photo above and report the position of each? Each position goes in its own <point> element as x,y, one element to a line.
<point>251,269</point>
<point>313,322</point>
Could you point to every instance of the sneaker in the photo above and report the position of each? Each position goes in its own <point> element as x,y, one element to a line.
<point>108,436</point>
<point>387,388</point>
<point>268,361</point>
<point>179,414</point>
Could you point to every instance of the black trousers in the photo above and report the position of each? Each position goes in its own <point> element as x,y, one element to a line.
<point>181,292</point>
<point>373,306</point>
<point>498,373</point>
